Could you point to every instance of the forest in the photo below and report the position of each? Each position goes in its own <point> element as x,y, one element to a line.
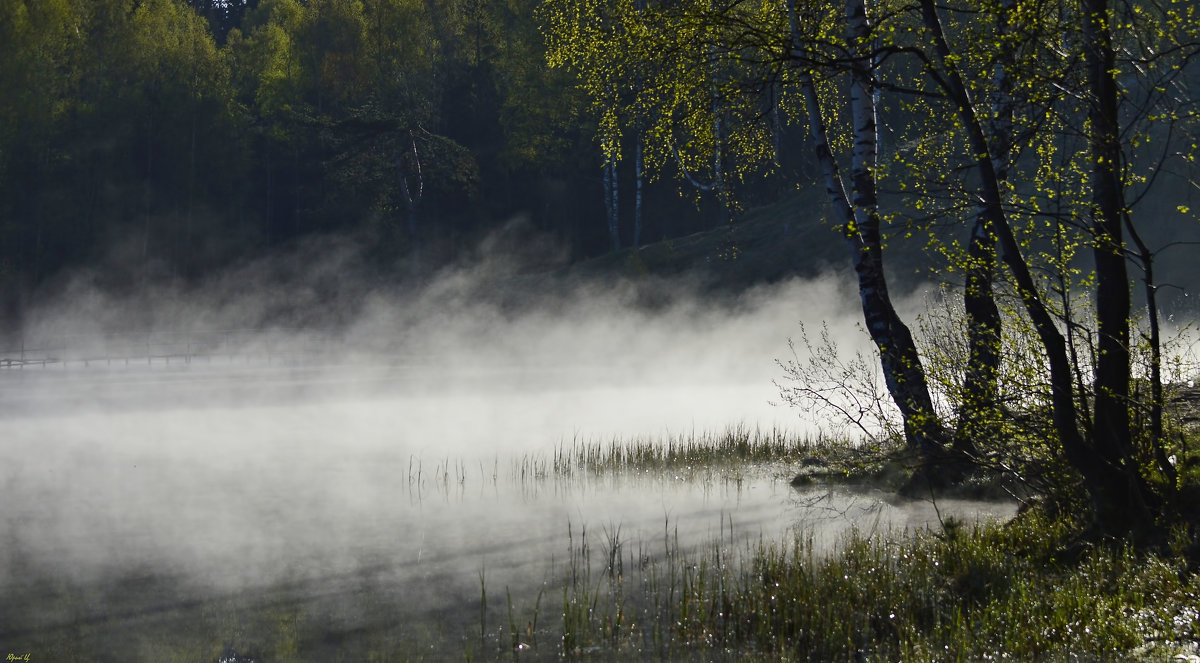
<point>166,139</point>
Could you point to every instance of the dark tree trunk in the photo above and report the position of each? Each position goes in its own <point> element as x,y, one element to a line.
<point>1121,489</point>
<point>899,359</point>
<point>1157,437</point>
<point>612,213</point>
<point>637,199</point>
<point>979,388</point>
<point>902,367</point>
<point>1112,281</point>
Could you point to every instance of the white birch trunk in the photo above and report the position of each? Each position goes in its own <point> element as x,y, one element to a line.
<point>411,198</point>
<point>899,360</point>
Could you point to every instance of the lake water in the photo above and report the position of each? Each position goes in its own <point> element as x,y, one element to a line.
<point>156,512</point>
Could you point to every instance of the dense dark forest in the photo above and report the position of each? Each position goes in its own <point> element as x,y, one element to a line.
<point>164,139</point>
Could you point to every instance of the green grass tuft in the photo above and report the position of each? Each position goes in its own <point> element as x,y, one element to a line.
<point>986,591</point>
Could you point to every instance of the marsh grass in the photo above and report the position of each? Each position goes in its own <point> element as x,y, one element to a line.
<point>737,446</point>
<point>726,455</point>
<point>985,591</point>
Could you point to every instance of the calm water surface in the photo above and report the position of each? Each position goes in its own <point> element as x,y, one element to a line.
<point>150,509</point>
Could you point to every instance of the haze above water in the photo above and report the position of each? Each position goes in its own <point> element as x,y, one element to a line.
<point>384,447</point>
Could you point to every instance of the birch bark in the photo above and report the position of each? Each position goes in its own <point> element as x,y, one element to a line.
<point>903,372</point>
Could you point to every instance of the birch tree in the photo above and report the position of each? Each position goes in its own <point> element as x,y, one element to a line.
<point>701,72</point>
<point>1077,47</point>
<point>1028,133</point>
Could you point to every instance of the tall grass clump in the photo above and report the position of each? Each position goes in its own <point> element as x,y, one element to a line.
<point>736,446</point>
<point>986,591</point>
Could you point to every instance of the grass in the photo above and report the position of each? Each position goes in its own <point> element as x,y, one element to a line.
<point>739,445</point>
<point>1023,590</point>
<point>687,456</point>
<point>986,591</point>
<point>736,447</point>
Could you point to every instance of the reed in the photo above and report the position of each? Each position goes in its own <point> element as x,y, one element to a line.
<point>738,445</point>
<point>985,591</point>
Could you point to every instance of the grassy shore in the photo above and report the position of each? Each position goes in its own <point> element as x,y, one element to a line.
<point>1027,589</point>
<point>985,591</point>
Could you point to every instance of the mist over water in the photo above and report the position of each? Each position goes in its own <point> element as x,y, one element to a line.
<point>602,358</point>
<point>218,446</point>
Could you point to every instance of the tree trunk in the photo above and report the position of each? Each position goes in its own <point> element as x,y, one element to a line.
<point>903,373</point>
<point>637,205</point>
<point>612,215</point>
<point>1157,437</point>
<point>1120,503</point>
<point>1112,282</point>
<point>977,412</point>
<point>412,198</point>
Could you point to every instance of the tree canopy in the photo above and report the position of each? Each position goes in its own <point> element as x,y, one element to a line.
<point>1005,132</point>
<point>166,138</point>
